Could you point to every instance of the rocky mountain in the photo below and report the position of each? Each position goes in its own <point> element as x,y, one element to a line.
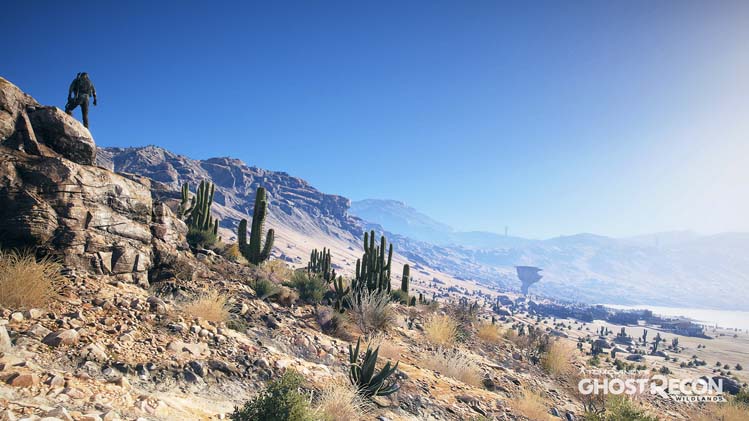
<point>668,269</point>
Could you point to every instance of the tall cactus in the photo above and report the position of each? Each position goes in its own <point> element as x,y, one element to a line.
<point>320,263</point>
<point>196,210</point>
<point>256,252</point>
<point>373,270</point>
<point>405,278</point>
<point>341,291</point>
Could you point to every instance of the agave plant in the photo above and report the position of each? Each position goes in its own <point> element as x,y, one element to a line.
<point>363,375</point>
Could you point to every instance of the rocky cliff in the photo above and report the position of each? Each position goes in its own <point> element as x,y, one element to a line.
<point>55,199</point>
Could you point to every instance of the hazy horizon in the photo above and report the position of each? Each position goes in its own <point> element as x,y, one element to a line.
<point>618,118</point>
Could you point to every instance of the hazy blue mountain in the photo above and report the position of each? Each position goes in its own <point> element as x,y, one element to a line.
<point>398,217</point>
<point>679,268</point>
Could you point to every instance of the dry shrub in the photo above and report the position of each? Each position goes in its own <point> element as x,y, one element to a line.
<point>231,252</point>
<point>340,402</point>
<point>26,282</point>
<point>489,333</point>
<point>388,349</point>
<point>455,364</point>
<point>277,270</point>
<point>441,330</point>
<point>723,412</point>
<point>556,360</point>
<point>285,296</point>
<point>335,324</point>
<point>372,311</point>
<point>531,406</point>
<point>210,306</point>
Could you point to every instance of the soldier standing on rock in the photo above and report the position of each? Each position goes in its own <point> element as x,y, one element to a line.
<point>80,89</point>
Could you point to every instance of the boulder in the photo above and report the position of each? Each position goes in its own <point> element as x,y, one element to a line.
<point>62,337</point>
<point>5,343</point>
<point>63,134</point>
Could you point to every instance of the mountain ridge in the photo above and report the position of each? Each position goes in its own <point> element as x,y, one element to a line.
<point>697,271</point>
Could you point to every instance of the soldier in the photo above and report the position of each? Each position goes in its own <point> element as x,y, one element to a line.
<point>78,93</point>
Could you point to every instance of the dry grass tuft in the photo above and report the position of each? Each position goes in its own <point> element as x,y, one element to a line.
<point>489,333</point>
<point>441,330</point>
<point>210,306</point>
<point>723,412</point>
<point>372,311</point>
<point>26,282</point>
<point>531,406</point>
<point>388,349</point>
<point>557,360</point>
<point>454,364</point>
<point>277,270</point>
<point>340,402</point>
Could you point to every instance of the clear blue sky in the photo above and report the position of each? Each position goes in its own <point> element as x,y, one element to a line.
<point>617,118</point>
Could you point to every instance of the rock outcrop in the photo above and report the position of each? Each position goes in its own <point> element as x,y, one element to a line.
<point>54,199</point>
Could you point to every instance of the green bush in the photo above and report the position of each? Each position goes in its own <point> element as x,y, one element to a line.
<point>264,288</point>
<point>399,296</point>
<point>619,409</point>
<point>311,288</point>
<point>742,397</point>
<point>200,238</point>
<point>280,401</point>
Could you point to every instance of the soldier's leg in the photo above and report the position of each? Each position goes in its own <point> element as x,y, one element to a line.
<point>84,111</point>
<point>70,106</point>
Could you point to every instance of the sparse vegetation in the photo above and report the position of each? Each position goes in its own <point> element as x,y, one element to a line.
<point>276,269</point>
<point>310,286</point>
<point>26,282</point>
<point>489,333</point>
<point>341,402</point>
<point>454,363</point>
<point>264,288</point>
<point>388,348</point>
<point>619,408</point>
<point>280,401</point>
<point>556,360</point>
<point>335,323</point>
<point>362,374</point>
<point>372,311</point>
<point>531,405</point>
<point>441,330</point>
<point>399,296</point>
<point>210,306</point>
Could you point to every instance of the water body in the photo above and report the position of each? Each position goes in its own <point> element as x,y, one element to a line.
<point>726,319</point>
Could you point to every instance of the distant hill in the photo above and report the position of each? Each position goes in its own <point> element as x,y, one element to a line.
<point>670,269</point>
<point>397,217</point>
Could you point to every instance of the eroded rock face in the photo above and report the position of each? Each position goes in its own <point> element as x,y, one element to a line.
<point>53,198</point>
<point>64,134</point>
<point>98,220</point>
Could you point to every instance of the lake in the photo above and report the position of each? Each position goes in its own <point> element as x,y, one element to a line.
<point>727,319</point>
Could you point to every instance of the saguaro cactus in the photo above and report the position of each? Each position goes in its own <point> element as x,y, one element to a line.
<point>405,278</point>
<point>256,252</point>
<point>373,270</point>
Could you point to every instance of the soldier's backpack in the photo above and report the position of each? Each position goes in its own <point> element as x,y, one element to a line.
<point>83,86</point>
